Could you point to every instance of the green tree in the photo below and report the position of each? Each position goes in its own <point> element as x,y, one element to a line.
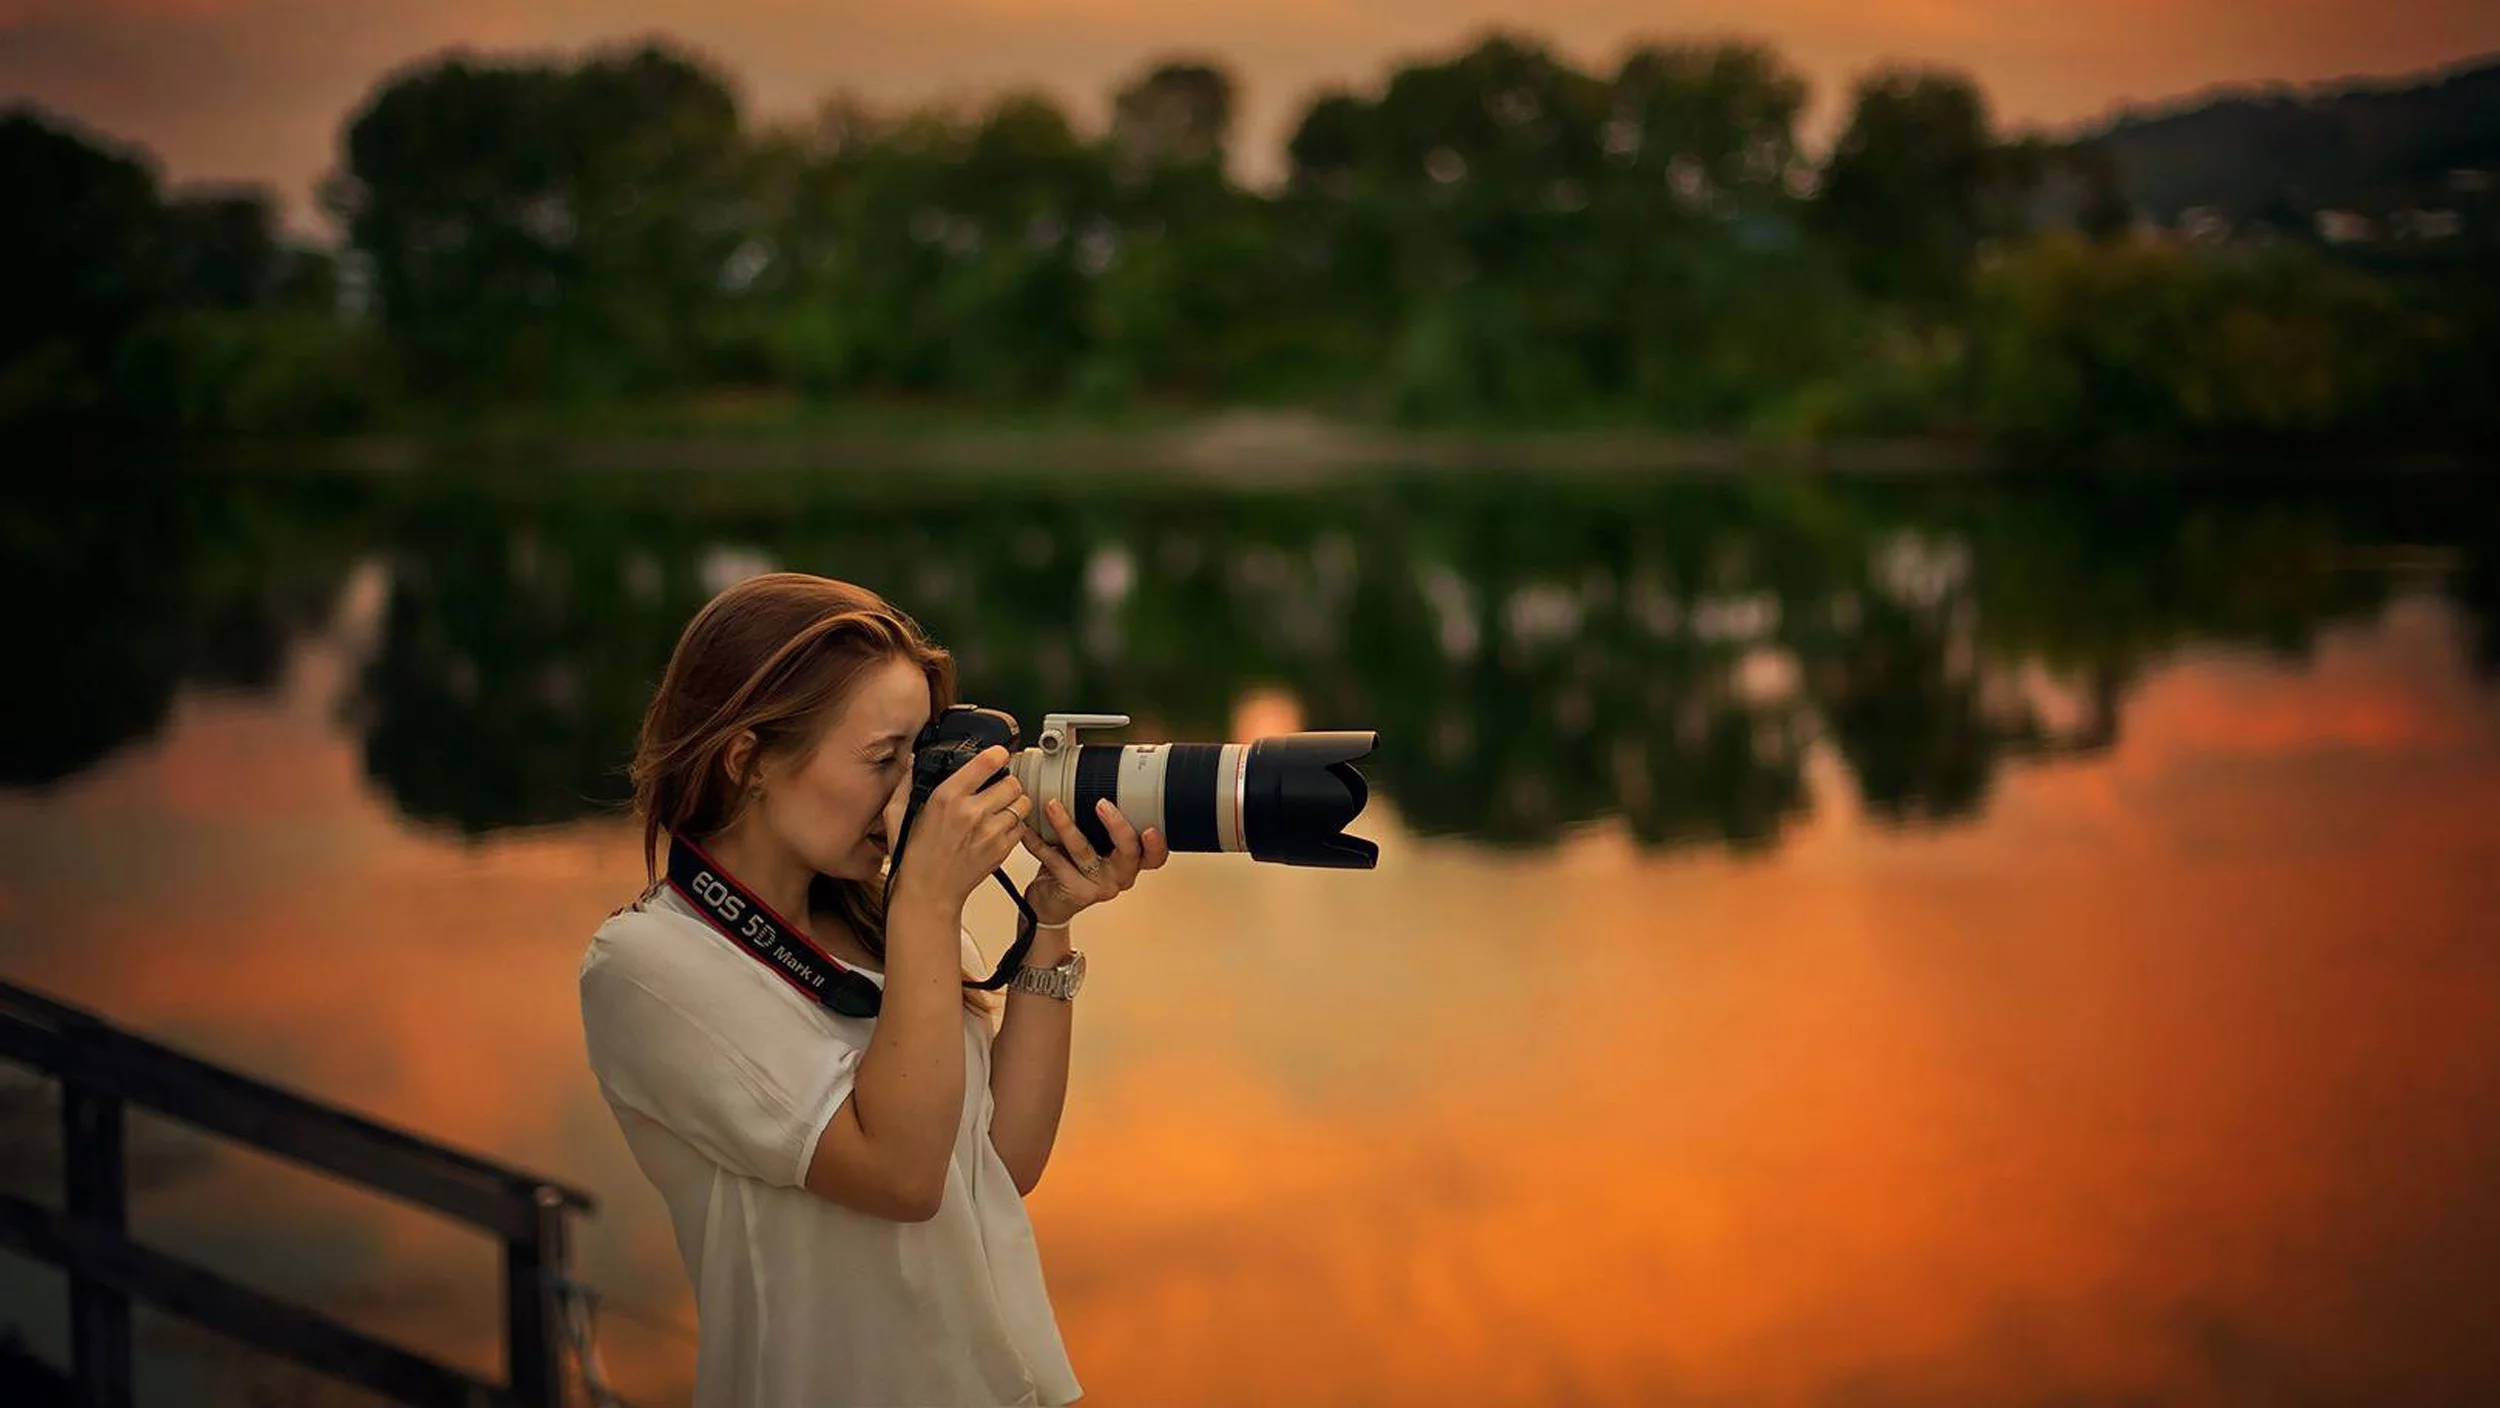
<point>1178,114</point>
<point>1522,240</point>
<point>541,230</point>
<point>124,308</point>
<point>950,251</point>
<point>81,263</point>
<point>1195,294</point>
<point>1724,307</point>
<point>1914,184</point>
<point>1449,218</point>
<point>225,251</point>
<point>1707,126</point>
<point>2072,341</point>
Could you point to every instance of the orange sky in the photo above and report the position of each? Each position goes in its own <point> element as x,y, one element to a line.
<point>256,89</point>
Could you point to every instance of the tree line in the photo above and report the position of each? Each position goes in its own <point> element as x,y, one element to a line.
<point>1490,238</point>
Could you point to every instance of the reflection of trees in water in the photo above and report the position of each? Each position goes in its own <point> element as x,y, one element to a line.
<point>1536,655</point>
<point>516,654</point>
<point>2476,583</point>
<point>125,584</point>
<point>1537,663</point>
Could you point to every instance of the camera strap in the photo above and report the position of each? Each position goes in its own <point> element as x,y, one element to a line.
<point>760,932</point>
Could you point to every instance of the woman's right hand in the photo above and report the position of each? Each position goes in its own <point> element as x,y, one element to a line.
<point>963,833</point>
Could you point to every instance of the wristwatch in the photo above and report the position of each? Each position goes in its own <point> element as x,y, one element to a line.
<point>1060,980</point>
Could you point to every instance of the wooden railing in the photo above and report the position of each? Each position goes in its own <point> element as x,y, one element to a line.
<point>103,1070</point>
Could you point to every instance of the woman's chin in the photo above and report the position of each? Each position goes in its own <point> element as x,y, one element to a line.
<point>864,863</point>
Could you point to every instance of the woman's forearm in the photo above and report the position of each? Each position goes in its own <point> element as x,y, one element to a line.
<point>910,1090</point>
<point>1029,1070</point>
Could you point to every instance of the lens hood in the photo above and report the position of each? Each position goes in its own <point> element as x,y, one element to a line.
<point>1300,791</point>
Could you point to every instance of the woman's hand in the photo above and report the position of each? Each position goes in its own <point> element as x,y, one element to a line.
<point>1065,887</point>
<point>963,833</point>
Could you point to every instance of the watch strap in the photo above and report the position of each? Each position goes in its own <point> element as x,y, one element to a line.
<point>1057,981</point>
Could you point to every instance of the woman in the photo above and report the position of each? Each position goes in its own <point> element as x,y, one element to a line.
<point>847,1190</point>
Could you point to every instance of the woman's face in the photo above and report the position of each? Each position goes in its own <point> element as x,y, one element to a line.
<point>832,808</point>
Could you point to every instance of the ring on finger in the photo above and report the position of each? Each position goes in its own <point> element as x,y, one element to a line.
<point>1091,868</point>
<point>1019,808</point>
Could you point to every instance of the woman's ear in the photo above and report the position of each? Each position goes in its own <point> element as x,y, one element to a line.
<point>734,758</point>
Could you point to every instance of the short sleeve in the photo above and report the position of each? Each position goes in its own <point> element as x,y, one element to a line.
<point>726,1065</point>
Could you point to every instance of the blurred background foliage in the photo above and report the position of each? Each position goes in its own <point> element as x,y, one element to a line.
<point>1489,238</point>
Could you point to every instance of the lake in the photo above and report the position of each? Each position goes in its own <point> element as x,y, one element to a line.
<point>1836,940</point>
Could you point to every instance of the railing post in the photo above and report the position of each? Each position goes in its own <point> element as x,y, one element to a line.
<point>96,1194</point>
<point>533,1314</point>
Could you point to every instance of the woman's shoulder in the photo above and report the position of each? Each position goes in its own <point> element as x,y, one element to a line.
<point>645,913</point>
<point>652,941</point>
<point>657,949</point>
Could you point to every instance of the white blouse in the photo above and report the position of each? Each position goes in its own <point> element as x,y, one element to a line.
<point>723,1078</point>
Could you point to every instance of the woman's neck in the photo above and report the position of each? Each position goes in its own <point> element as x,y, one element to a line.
<point>780,879</point>
<point>768,869</point>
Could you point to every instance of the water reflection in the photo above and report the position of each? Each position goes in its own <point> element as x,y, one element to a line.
<point>1537,656</point>
<point>124,588</point>
<point>2163,1072</point>
<point>2171,1081</point>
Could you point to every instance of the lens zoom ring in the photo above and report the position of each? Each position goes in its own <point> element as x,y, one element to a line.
<point>1097,777</point>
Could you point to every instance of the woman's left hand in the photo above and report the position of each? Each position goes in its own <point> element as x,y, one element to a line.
<point>1064,887</point>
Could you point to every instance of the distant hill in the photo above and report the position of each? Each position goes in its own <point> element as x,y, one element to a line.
<point>2280,157</point>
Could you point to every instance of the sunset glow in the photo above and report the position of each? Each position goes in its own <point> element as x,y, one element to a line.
<point>258,89</point>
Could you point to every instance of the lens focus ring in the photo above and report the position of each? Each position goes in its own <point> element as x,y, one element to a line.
<point>1097,777</point>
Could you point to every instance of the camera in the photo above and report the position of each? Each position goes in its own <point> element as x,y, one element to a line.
<point>1286,799</point>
